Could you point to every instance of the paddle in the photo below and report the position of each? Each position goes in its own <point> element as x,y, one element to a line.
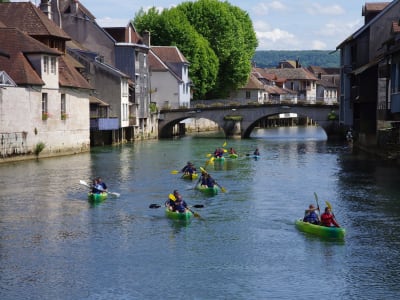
<point>316,199</point>
<point>156,205</point>
<point>221,187</point>
<point>173,198</point>
<point>89,186</point>
<point>174,172</point>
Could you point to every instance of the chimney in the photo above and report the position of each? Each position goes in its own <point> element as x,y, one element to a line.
<point>45,7</point>
<point>74,6</point>
<point>146,38</point>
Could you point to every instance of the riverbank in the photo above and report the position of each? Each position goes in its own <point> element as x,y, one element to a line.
<point>389,152</point>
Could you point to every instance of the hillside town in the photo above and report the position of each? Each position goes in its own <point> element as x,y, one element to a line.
<point>68,84</point>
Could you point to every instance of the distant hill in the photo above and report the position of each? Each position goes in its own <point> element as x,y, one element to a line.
<point>270,59</point>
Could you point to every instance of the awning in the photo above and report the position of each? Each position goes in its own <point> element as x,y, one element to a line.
<point>367,66</point>
<point>95,100</point>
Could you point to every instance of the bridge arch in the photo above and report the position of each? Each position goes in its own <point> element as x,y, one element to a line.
<point>241,120</point>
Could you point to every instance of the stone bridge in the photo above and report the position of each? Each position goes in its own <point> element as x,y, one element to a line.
<point>239,121</point>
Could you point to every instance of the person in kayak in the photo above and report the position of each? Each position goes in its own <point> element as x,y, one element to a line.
<point>177,204</point>
<point>102,184</point>
<point>256,152</point>
<point>96,187</point>
<point>207,180</point>
<point>310,215</point>
<point>189,168</point>
<point>327,219</point>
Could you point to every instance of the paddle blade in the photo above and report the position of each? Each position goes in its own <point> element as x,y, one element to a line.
<point>224,144</point>
<point>209,155</point>
<point>316,199</point>
<point>172,197</point>
<point>83,182</point>
<point>115,194</point>
<point>198,206</point>
<point>328,204</point>
<point>225,150</point>
<point>223,190</point>
<point>154,205</point>
<point>174,172</point>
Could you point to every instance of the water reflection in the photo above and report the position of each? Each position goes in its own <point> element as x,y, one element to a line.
<point>55,245</point>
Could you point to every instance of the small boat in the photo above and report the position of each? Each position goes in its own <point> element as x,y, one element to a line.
<point>233,155</point>
<point>190,177</point>
<point>219,159</point>
<point>185,216</point>
<point>97,197</point>
<point>322,231</point>
<point>209,191</point>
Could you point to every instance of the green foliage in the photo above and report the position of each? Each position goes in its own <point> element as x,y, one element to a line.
<point>217,39</point>
<point>171,28</point>
<point>270,59</point>
<point>39,148</point>
<point>230,33</point>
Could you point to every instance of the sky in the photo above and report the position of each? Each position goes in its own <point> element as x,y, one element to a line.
<point>279,24</point>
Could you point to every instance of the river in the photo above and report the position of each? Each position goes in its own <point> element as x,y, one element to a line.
<point>55,245</point>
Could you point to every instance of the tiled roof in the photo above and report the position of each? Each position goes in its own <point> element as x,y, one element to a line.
<point>155,62</point>
<point>28,18</point>
<point>17,44</point>
<point>68,74</point>
<point>253,84</point>
<point>169,54</point>
<point>292,74</point>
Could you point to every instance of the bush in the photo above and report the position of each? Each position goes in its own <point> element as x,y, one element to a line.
<point>39,148</point>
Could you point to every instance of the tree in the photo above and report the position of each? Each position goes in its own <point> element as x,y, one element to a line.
<point>230,33</point>
<point>171,28</point>
<point>217,38</point>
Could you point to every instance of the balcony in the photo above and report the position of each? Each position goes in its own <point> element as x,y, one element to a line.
<point>104,124</point>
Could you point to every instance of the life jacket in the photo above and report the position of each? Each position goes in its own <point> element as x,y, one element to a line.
<point>311,217</point>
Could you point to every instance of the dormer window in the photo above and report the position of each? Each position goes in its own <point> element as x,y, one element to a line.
<point>45,64</point>
<point>53,64</point>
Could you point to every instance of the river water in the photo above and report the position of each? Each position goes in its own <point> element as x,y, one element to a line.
<point>55,245</point>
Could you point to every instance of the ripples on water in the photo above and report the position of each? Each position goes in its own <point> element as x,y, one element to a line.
<point>54,245</point>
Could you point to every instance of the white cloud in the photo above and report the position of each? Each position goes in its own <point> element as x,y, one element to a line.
<point>318,9</point>
<point>262,8</point>
<point>318,45</point>
<point>276,39</point>
<point>110,22</point>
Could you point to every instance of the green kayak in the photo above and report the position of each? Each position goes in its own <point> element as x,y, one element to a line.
<point>188,177</point>
<point>186,216</point>
<point>233,155</point>
<point>219,159</point>
<point>96,198</point>
<point>209,191</point>
<point>322,231</point>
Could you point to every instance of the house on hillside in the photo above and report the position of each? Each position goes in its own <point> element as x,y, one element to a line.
<point>370,76</point>
<point>300,80</point>
<point>275,87</point>
<point>43,93</point>
<point>327,84</point>
<point>170,83</point>
<point>252,93</point>
<point>118,50</point>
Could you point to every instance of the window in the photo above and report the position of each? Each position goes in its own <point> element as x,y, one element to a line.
<point>45,113</point>
<point>248,94</point>
<point>53,65</point>
<point>45,64</point>
<point>63,107</point>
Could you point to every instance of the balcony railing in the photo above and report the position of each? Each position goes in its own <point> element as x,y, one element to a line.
<point>104,123</point>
